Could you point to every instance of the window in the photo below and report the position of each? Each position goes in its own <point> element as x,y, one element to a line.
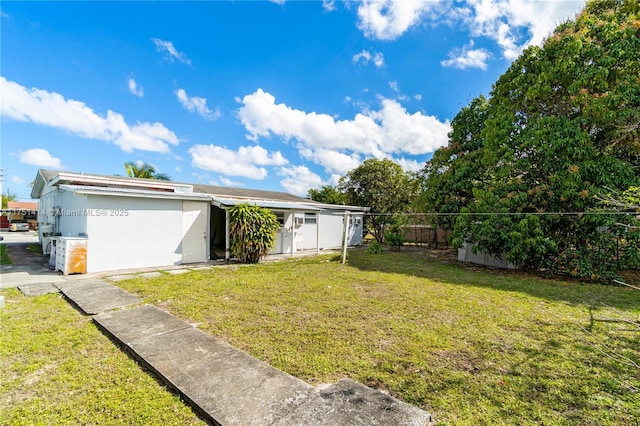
<point>309,218</point>
<point>280,217</point>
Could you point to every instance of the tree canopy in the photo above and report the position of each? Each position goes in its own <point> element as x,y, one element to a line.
<point>384,187</point>
<point>6,198</point>
<point>528,169</point>
<point>328,195</point>
<point>144,171</point>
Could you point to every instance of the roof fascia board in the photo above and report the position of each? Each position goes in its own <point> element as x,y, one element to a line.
<point>159,195</point>
<point>64,176</point>
<point>38,185</point>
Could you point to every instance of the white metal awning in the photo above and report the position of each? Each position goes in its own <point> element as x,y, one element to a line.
<point>269,204</point>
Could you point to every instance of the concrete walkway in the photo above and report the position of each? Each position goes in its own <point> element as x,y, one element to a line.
<point>225,385</point>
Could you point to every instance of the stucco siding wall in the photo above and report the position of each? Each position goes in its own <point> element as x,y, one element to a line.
<point>356,226</point>
<point>72,220</point>
<point>127,232</point>
<point>330,230</point>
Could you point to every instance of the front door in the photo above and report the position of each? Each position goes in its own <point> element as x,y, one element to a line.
<point>194,231</point>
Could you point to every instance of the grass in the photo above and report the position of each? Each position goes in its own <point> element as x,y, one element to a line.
<point>35,248</point>
<point>4,257</point>
<point>470,345</point>
<point>57,368</point>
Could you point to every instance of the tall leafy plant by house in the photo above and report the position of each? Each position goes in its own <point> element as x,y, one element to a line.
<point>252,231</point>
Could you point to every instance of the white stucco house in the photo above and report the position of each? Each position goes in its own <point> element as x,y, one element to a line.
<point>134,223</point>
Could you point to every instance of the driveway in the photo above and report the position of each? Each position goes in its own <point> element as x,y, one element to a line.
<point>19,237</point>
<point>28,267</point>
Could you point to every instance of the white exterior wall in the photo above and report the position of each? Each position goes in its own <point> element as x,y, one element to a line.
<point>466,254</point>
<point>310,235</point>
<point>64,211</point>
<point>355,229</point>
<point>72,219</point>
<point>284,237</point>
<point>298,231</point>
<point>46,219</point>
<point>133,232</point>
<point>332,230</point>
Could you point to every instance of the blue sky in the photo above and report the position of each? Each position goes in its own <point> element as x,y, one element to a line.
<point>284,95</point>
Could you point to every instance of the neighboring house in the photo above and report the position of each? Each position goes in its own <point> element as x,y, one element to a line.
<point>21,210</point>
<point>135,223</point>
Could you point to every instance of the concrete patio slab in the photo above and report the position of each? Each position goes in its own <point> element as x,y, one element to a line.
<point>70,285</point>
<point>129,325</point>
<point>95,296</point>
<point>351,403</point>
<point>38,289</point>
<point>149,275</point>
<point>15,276</point>
<point>121,277</point>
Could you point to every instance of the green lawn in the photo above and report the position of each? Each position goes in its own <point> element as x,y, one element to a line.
<point>470,345</point>
<point>57,368</point>
<point>4,257</point>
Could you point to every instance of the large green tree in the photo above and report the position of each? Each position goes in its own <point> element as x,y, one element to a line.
<point>384,187</point>
<point>454,170</point>
<point>561,133</point>
<point>144,171</point>
<point>327,194</point>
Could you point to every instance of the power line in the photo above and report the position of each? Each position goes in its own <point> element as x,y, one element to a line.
<point>506,214</point>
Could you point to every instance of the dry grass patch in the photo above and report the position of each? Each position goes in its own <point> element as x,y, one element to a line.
<point>470,345</point>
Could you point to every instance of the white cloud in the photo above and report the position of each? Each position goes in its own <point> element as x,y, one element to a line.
<point>418,97</point>
<point>365,57</point>
<point>39,157</point>
<point>399,95</point>
<point>408,165</point>
<point>18,180</point>
<point>197,105</point>
<point>334,179</point>
<point>134,88</point>
<point>512,24</point>
<point>339,144</point>
<point>169,51</point>
<point>201,176</point>
<point>333,160</point>
<point>467,58</point>
<point>247,161</point>
<point>389,19</point>
<point>229,182</point>
<point>53,110</point>
<point>280,2</point>
<point>299,179</point>
<point>505,20</point>
<point>328,5</point>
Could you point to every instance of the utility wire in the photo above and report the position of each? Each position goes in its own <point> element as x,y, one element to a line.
<point>505,214</point>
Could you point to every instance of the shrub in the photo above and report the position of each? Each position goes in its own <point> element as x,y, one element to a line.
<point>395,240</point>
<point>374,248</point>
<point>252,231</point>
